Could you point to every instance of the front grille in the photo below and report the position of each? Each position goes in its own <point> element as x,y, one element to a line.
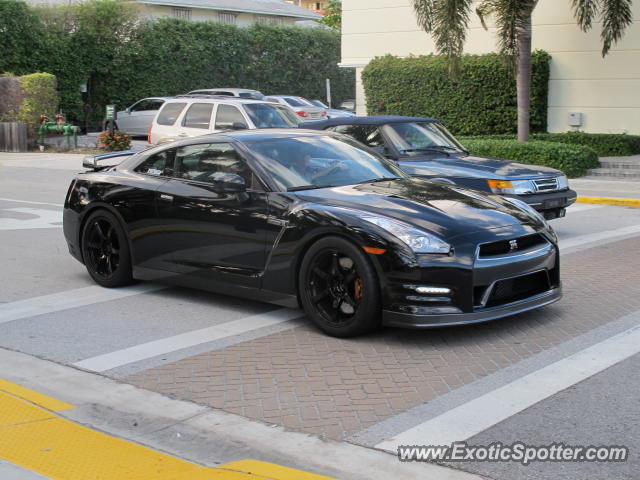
<point>546,184</point>
<point>518,288</point>
<point>503,247</point>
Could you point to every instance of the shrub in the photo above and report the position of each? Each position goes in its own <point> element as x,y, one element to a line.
<point>40,96</point>
<point>604,144</point>
<point>482,102</point>
<point>116,142</point>
<point>573,160</point>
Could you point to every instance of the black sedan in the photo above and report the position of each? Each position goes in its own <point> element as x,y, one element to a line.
<point>314,219</point>
<point>424,147</point>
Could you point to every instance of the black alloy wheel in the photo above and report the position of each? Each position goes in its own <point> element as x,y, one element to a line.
<point>339,289</point>
<point>106,251</point>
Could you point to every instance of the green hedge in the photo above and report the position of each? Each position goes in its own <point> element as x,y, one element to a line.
<point>604,144</point>
<point>573,160</point>
<point>121,59</point>
<point>40,96</point>
<point>482,102</point>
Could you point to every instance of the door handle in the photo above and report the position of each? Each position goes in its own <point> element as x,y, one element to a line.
<point>166,198</point>
<point>183,134</point>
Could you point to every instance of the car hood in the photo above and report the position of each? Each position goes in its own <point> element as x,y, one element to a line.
<point>475,167</point>
<point>444,209</point>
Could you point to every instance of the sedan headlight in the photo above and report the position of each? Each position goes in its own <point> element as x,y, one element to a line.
<point>417,240</point>
<point>512,187</point>
<point>563,182</point>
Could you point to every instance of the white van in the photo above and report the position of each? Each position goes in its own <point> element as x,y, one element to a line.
<point>193,115</point>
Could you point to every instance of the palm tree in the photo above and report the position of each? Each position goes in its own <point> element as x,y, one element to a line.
<point>448,20</point>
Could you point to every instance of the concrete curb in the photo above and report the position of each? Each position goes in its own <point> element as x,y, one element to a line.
<point>623,202</point>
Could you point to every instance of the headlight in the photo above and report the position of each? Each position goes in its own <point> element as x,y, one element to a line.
<point>513,187</point>
<point>416,240</point>
<point>563,183</point>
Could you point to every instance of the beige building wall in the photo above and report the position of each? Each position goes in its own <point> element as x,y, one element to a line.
<point>201,15</point>
<point>606,91</point>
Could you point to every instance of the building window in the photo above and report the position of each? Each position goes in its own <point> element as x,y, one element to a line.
<point>268,20</point>
<point>184,13</point>
<point>228,18</point>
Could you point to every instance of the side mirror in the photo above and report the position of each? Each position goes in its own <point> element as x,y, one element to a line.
<point>228,182</point>
<point>128,110</point>
<point>239,126</point>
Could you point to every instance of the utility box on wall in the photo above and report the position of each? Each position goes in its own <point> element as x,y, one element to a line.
<point>575,119</point>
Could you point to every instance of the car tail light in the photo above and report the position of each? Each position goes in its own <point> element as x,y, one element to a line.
<point>324,113</point>
<point>149,134</point>
<point>302,113</point>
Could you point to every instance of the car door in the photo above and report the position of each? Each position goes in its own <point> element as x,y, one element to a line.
<point>138,114</point>
<point>214,235</point>
<point>197,120</point>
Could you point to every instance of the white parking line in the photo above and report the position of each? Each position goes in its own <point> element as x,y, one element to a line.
<point>582,207</point>
<point>477,415</point>
<point>79,297</point>
<point>30,201</point>
<point>39,218</point>
<point>147,350</point>
<point>606,236</point>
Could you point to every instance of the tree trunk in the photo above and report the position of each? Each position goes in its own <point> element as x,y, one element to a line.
<point>523,80</point>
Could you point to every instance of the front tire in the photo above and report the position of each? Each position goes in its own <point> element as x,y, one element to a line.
<point>105,250</point>
<point>339,288</point>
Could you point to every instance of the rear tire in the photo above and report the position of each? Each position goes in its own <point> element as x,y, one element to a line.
<point>339,288</point>
<point>105,250</point>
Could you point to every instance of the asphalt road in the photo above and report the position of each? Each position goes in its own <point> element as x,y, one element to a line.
<point>50,308</point>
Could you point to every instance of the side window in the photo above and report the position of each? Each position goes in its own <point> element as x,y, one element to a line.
<point>198,116</point>
<point>140,106</point>
<point>159,164</point>
<point>227,116</point>
<point>367,134</point>
<point>155,104</point>
<point>170,113</point>
<point>207,162</point>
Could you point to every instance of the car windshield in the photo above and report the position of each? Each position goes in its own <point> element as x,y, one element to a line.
<point>295,102</point>
<point>318,103</point>
<point>308,162</point>
<point>413,138</point>
<point>266,115</point>
<point>256,95</point>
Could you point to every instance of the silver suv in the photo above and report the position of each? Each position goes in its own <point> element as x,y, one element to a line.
<point>193,115</point>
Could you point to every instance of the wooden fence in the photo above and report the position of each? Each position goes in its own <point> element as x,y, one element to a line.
<point>13,137</point>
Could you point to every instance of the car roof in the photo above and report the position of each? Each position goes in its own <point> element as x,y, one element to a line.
<point>227,89</point>
<point>217,98</point>
<point>253,134</point>
<point>373,120</point>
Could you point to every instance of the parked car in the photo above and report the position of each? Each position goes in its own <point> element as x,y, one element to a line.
<point>316,219</point>
<point>331,112</point>
<point>191,115</point>
<point>229,92</point>
<point>303,107</point>
<point>423,147</point>
<point>136,119</point>
<point>348,105</point>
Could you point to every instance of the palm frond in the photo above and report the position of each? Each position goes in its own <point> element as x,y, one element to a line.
<point>511,17</point>
<point>616,17</point>
<point>585,11</point>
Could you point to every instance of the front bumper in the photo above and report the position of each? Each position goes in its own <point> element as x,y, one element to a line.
<point>549,201</point>
<point>397,319</point>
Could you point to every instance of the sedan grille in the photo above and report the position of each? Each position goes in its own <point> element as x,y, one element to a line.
<point>546,184</point>
<point>518,288</point>
<point>514,245</point>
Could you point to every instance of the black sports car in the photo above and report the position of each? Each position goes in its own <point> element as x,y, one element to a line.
<point>314,219</point>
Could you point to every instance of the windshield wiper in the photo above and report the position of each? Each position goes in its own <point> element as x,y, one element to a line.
<point>376,180</point>
<point>308,187</point>
<point>435,148</point>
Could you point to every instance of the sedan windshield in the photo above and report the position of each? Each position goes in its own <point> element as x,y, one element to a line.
<point>414,138</point>
<point>318,103</point>
<point>307,162</point>
<point>265,115</point>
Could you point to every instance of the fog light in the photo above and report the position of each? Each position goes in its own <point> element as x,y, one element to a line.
<point>433,290</point>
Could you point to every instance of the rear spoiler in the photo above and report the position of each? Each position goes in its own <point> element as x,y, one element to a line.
<point>92,162</point>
